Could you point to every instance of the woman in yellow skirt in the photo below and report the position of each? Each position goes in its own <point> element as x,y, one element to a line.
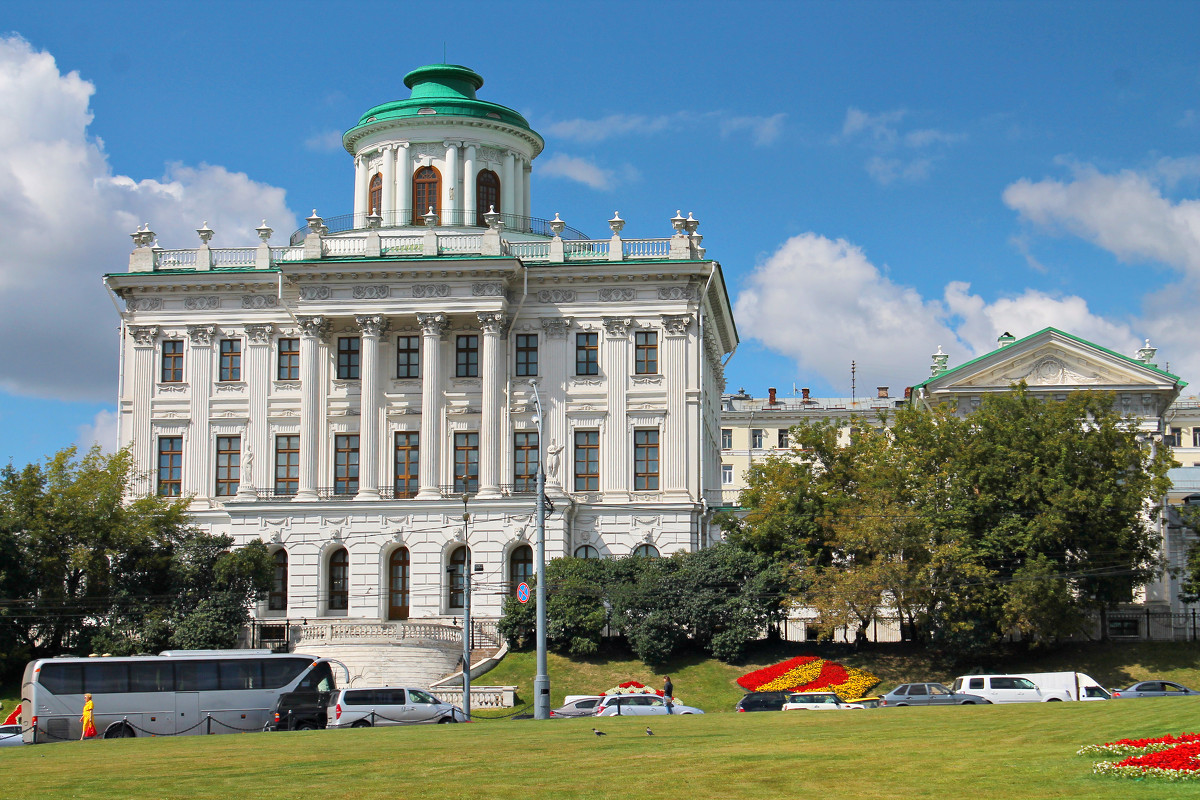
<point>87,718</point>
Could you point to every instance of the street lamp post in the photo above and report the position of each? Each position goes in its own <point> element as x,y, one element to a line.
<point>467,567</point>
<point>541,681</point>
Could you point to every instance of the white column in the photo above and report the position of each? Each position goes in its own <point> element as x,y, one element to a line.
<point>674,452</point>
<point>311,329</point>
<point>615,447</point>
<point>508,185</point>
<point>197,449</point>
<point>470,172</point>
<point>140,389</point>
<point>360,186</point>
<point>451,207</point>
<point>403,185</point>
<point>491,441</point>
<point>372,326</point>
<point>432,328</point>
<point>258,438</point>
<point>555,362</point>
<point>389,185</point>
<point>526,201</point>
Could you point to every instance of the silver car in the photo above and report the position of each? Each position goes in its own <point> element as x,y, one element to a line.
<point>388,705</point>
<point>639,705</point>
<point>578,707</point>
<point>1154,689</point>
<point>929,694</point>
<point>10,736</point>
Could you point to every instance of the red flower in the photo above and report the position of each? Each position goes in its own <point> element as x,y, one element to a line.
<point>1181,757</point>
<point>752,680</point>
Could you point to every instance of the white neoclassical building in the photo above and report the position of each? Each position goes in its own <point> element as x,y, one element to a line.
<point>339,396</point>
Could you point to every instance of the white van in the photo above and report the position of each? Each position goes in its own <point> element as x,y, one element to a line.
<point>388,705</point>
<point>1008,689</point>
<point>1077,685</point>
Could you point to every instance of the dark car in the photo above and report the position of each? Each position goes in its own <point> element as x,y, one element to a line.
<point>1154,689</point>
<point>304,709</point>
<point>761,701</point>
<point>929,694</point>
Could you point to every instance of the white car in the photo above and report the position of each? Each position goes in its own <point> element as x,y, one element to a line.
<point>578,706</point>
<point>10,736</point>
<point>388,705</point>
<point>639,705</point>
<point>817,701</point>
<point>1009,689</point>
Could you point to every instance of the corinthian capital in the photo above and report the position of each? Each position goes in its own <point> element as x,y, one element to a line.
<point>312,327</point>
<point>143,335</point>
<point>433,324</point>
<point>372,325</point>
<point>676,324</point>
<point>201,334</point>
<point>491,322</point>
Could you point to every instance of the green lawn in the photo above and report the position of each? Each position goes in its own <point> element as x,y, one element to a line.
<point>1020,751</point>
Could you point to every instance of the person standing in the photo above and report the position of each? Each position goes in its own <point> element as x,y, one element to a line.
<point>668,693</point>
<point>88,718</point>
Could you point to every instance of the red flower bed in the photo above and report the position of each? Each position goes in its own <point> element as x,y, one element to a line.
<point>752,680</point>
<point>1170,758</point>
<point>1181,758</point>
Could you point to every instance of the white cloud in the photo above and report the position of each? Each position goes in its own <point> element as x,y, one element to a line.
<point>583,171</point>
<point>881,133</point>
<point>763,130</point>
<point>822,303</point>
<point>929,136</point>
<point>324,142</point>
<point>67,219</point>
<point>596,130</point>
<point>881,126</point>
<point>886,170</point>
<point>102,431</point>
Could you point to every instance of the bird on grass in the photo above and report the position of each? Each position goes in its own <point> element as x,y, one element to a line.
<point>599,733</point>
<point>649,732</point>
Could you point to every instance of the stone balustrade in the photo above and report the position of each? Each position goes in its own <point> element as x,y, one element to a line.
<point>481,696</point>
<point>379,632</point>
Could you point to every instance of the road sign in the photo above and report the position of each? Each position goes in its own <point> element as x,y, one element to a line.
<point>523,592</point>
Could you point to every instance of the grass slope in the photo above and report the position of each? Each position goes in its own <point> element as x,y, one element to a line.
<point>1025,751</point>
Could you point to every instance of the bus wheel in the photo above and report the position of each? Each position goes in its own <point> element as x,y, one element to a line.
<point>362,723</point>
<point>119,731</point>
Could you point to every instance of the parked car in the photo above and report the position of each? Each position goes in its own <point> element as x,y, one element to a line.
<point>817,701</point>
<point>388,705</point>
<point>1074,685</point>
<point>866,702</point>
<point>640,705</point>
<point>578,706</point>
<point>761,701</point>
<point>1008,689</point>
<point>929,694</point>
<point>1154,689</point>
<point>304,708</point>
<point>10,735</point>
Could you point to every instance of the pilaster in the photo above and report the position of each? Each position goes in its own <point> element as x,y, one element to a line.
<point>311,331</point>
<point>372,327</point>
<point>491,443</point>
<point>140,390</point>
<point>433,326</point>
<point>675,446</point>
<point>615,446</point>
<point>197,448</point>
<point>256,447</point>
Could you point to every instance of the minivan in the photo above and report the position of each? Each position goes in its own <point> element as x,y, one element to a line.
<point>1007,689</point>
<point>388,705</point>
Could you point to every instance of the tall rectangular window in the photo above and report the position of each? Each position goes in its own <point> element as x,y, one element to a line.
<point>172,361</point>
<point>527,354</point>
<point>587,354</point>
<point>408,356</point>
<point>170,466</point>
<point>646,352</point>
<point>587,461</point>
<point>407,461</point>
<point>645,460</point>
<point>783,439</point>
<point>466,355</point>
<point>1172,436</point>
<point>727,474</point>
<point>229,465</point>
<point>466,462</point>
<point>726,438</point>
<point>1196,436</point>
<point>345,463</point>
<point>756,438</point>
<point>347,357</point>
<point>525,464</point>
<point>231,360</point>
<point>288,368</point>
<point>287,464</point>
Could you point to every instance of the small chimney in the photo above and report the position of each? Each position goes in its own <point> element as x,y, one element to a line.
<point>881,392</point>
<point>771,396</point>
<point>804,393</point>
<point>908,393</point>
<point>1005,339</point>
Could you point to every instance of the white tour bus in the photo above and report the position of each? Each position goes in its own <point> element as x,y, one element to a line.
<point>176,692</point>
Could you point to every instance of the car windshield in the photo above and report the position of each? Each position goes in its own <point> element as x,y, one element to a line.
<point>417,696</point>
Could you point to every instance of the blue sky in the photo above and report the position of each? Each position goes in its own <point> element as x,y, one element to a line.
<point>876,179</point>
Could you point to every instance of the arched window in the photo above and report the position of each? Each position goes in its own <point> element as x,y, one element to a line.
<point>398,566</point>
<point>586,551</point>
<point>520,567</point>
<point>339,580</point>
<point>375,195</point>
<point>487,194</point>
<point>646,551</point>
<point>460,562</point>
<point>277,600</point>
<point>427,194</point>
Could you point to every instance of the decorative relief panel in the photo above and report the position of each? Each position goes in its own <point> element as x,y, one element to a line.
<point>231,388</point>
<point>205,303</point>
<point>285,386</point>
<point>315,293</point>
<point>144,303</point>
<point>556,296</point>
<point>488,289</point>
<point>620,294</point>
<point>555,327</point>
<point>378,291</point>
<point>259,301</point>
<point>689,292</point>
<point>431,290</point>
<point>1051,371</point>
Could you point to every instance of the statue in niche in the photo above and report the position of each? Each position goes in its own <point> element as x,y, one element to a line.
<point>553,457</point>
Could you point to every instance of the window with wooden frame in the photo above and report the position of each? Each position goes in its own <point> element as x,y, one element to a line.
<point>170,466</point>
<point>466,356</point>
<point>427,193</point>
<point>277,599</point>
<point>587,354</point>
<point>466,462</point>
<point>726,438</point>
<point>345,464</point>
<point>460,562</point>
<point>339,580</point>
<point>783,439</point>
<point>375,195</point>
<point>348,353</point>
<point>230,368</point>
<point>645,353</point>
<point>399,563</point>
<point>172,361</point>
<point>407,464</point>
<point>520,567</point>
<point>525,461</point>
<point>287,464</point>
<point>645,460</point>
<point>587,461</point>
<point>288,366</point>
<point>756,438</point>
<point>408,356</point>
<point>527,355</point>
<point>487,195</point>
<point>229,465</point>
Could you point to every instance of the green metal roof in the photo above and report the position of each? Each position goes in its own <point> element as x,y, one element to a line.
<point>1064,334</point>
<point>439,90</point>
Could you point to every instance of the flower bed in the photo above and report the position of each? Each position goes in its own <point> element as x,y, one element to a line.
<point>1170,757</point>
<point>633,687</point>
<point>807,674</point>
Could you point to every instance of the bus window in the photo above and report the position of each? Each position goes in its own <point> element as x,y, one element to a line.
<point>196,676</point>
<point>241,674</point>
<point>279,672</point>
<point>151,676</point>
<point>320,679</point>
<point>105,677</point>
<point>63,678</point>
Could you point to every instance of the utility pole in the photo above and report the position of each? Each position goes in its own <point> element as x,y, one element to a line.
<point>467,566</point>
<point>541,681</point>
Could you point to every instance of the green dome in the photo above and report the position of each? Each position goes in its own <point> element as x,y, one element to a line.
<point>438,90</point>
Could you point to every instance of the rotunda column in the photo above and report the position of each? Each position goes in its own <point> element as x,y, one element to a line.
<point>470,172</point>
<point>430,468</point>
<point>451,205</point>
<point>526,201</point>
<point>403,185</point>
<point>311,330</point>
<point>360,187</point>
<point>389,184</point>
<point>508,185</point>
<point>491,442</point>
<point>372,326</point>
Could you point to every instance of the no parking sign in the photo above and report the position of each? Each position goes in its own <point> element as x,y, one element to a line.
<point>523,592</point>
